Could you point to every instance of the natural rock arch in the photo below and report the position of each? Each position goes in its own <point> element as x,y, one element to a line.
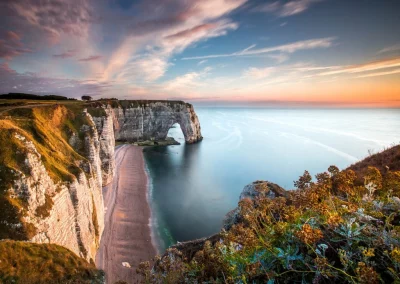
<point>151,121</point>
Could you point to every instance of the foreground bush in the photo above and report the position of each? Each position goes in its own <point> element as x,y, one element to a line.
<point>333,230</point>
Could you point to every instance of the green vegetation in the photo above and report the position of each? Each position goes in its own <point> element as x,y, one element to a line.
<point>29,263</point>
<point>331,230</point>
<point>22,96</point>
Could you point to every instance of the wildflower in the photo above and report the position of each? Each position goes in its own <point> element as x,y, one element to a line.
<point>344,259</point>
<point>322,265</point>
<point>368,252</point>
<point>395,254</point>
<point>366,274</point>
<point>334,220</point>
<point>309,235</point>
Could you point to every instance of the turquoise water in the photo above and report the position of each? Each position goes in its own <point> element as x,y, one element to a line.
<point>194,186</point>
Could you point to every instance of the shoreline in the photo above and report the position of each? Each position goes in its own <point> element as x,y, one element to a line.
<point>152,220</point>
<point>128,237</point>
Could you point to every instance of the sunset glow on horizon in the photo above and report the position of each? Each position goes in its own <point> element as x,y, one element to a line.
<point>208,52</point>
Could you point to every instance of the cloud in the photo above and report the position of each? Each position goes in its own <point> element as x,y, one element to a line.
<point>395,47</point>
<point>285,9</point>
<point>147,69</point>
<point>202,62</point>
<point>279,58</point>
<point>11,45</point>
<point>53,17</point>
<point>396,71</point>
<point>204,28</point>
<point>258,73</point>
<point>187,81</point>
<point>164,29</point>
<point>67,54</point>
<point>371,66</point>
<point>91,58</point>
<point>36,84</point>
<point>286,48</point>
<point>13,36</point>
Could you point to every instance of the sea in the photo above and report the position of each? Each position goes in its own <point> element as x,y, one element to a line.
<point>192,187</point>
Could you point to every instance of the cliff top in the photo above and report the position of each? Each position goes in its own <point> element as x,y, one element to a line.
<point>94,107</point>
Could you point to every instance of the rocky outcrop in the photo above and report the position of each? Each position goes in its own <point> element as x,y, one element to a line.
<point>254,190</point>
<point>261,188</point>
<point>151,120</point>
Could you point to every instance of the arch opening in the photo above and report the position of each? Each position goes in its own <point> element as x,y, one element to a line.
<point>175,134</point>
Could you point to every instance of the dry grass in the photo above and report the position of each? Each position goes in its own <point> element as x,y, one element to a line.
<point>384,161</point>
<point>23,262</point>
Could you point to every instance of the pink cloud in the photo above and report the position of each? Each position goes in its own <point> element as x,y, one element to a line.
<point>52,17</point>
<point>282,9</point>
<point>8,50</point>
<point>36,84</point>
<point>192,31</point>
<point>10,35</point>
<point>67,54</point>
<point>91,58</point>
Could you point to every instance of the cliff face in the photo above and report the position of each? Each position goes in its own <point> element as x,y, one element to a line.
<point>57,203</point>
<point>150,120</point>
<point>60,156</point>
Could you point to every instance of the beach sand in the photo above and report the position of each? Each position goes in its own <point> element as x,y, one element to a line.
<point>127,235</point>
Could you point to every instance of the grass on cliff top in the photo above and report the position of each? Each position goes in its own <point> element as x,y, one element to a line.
<point>47,127</point>
<point>29,263</point>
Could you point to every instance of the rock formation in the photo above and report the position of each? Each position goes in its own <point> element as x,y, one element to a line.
<point>151,120</point>
<point>256,189</point>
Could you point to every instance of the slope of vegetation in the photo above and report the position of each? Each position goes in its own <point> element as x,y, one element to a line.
<point>29,263</point>
<point>330,230</point>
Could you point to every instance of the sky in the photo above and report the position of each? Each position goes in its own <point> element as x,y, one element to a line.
<point>208,52</point>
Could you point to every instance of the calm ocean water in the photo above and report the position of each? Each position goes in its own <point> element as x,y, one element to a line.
<point>194,186</point>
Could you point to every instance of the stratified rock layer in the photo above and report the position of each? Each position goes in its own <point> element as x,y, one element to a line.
<point>152,120</point>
